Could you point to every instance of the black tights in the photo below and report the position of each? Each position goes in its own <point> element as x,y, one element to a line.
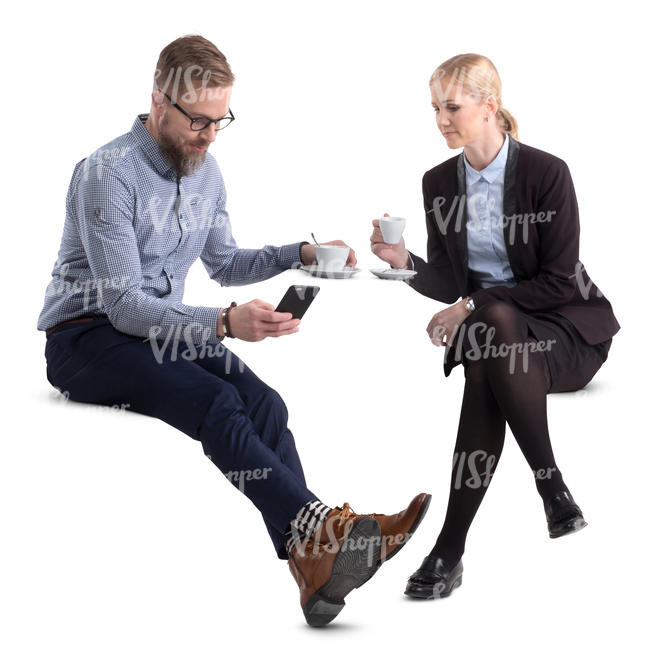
<point>496,391</point>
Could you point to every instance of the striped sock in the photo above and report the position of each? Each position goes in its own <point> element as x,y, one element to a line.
<point>306,522</point>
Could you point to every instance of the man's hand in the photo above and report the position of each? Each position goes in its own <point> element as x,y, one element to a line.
<point>446,323</point>
<point>308,254</point>
<point>394,254</point>
<point>255,320</point>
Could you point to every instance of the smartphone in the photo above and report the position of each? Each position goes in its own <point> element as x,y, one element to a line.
<point>297,299</point>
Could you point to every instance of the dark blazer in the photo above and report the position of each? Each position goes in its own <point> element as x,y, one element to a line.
<point>542,249</point>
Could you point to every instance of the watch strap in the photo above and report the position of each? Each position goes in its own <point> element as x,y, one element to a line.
<point>226,320</point>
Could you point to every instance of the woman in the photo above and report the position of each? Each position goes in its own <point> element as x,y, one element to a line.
<point>503,236</point>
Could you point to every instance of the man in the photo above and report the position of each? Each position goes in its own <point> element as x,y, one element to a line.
<point>139,212</point>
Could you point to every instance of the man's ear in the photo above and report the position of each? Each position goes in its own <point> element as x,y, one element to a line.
<point>157,98</point>
<point>157,104</point>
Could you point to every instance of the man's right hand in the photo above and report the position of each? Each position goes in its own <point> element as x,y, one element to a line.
<point>394,254</point>
<point>255,320</point>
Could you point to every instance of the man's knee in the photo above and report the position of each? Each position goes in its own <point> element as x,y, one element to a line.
<point>275,402</point>
<point>224,402</point>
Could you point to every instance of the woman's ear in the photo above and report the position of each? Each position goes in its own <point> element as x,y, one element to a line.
<point>491,107</point>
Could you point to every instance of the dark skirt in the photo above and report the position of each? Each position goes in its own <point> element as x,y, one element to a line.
<point>572,362</point>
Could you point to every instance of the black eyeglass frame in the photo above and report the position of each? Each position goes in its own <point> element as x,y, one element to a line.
<point>229,118</point>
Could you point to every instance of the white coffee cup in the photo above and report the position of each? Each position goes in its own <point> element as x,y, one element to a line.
<point>331,257</point>
<point>392,228</point>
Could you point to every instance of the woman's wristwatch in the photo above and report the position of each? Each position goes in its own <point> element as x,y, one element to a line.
<point>469,304</point>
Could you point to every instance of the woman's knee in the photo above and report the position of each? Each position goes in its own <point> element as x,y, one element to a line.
<point>501,315</point>
<point>492,330</point>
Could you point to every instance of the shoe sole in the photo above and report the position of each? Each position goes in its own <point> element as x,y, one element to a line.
<point>433,595</point>
<point>352,568</point>
<point>572,527</point>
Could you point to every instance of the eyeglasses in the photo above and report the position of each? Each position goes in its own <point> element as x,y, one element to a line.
<point>200,123</point>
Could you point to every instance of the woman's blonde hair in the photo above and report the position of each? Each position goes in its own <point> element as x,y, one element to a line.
<point>477,76</point>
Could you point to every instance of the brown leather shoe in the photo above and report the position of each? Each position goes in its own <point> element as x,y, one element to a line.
<point>397,529</point>
<point>340,556</point>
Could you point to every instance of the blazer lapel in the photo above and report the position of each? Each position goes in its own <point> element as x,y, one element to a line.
<point>461,233</point>
<point>510,207</point>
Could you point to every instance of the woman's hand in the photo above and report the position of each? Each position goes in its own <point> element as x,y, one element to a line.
<point>394,254</point>
<point>446,323</point>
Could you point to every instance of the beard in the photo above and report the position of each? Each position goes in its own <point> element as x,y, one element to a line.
<point>177,150</point>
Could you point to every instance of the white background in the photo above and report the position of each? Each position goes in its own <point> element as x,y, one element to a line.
<point>118,532</point>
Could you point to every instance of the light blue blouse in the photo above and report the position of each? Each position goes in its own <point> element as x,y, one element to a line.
<point>486,249</point>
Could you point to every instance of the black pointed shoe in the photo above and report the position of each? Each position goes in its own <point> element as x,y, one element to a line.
<point>434,579</point>
<point>563,515</point>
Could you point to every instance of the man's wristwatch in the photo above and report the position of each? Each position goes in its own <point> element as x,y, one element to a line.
<point>469,304</point>
<point>225,323</point>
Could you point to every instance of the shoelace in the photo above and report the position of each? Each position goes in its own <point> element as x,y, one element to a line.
<point>347,512</point>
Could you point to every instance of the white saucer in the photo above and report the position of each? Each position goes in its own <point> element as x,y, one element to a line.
<point>394,274</point>
<point>345,272</point>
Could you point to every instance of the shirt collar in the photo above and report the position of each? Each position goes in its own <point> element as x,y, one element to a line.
<point>150,146</point>
<point>493,171</point>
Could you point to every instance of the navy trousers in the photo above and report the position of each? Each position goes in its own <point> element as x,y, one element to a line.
<point>206,392</point>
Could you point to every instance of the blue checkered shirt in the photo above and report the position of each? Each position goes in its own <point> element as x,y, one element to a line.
<point>133,229</point>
